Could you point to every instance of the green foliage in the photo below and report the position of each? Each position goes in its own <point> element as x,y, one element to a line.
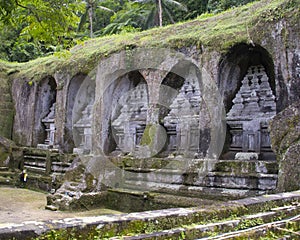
<point>195,9</point>
<point>222,5</point>
<point>155,17</point>
<point>130,19</point>
<point>248,223</point>
<point>29,29</point>
<point>34,28</point>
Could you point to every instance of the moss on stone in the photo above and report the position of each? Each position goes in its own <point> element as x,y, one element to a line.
<point>148,135</point>
<point>210,32</point>
<point>6,147</point>
<point>186,223</point>
<point>6,105</point>
<point>285,139</point>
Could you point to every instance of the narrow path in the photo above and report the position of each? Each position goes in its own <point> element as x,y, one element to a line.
<point>18,205</point>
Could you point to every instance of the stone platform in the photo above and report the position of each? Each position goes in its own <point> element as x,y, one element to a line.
<point>209,178</point>
<point>150,184</point>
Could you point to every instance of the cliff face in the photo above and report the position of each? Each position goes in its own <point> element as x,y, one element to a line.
<point>223,46</point>
<point>285,135</point>
<point>6,105</point>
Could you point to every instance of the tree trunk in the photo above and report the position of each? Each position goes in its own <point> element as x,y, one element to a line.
<point>160,13</point>
<point>91,20</point>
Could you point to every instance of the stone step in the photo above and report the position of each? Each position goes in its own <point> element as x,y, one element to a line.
<point>34,161</point>
<point>206,179</point>
<point>151,223</point>
<point>35,164</point>
<point>7,177</point>
<point>250,166</point>
<point>6,180</point>
<point>4,169</point>
<point>35,152</point>
<point>60,167</point>
<point>118,197</point>
<point>7,173</point>
<point>34,158</point>
<point>242,181</point>
<point>192,191</point>
<point>35,168</point>
<point>271,230</point>
<point>232,166</point>
<point>233,228</point>
<point>150,163</point>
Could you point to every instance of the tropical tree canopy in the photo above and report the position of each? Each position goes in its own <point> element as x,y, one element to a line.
<point>33,28</point>
<point>160,6</point>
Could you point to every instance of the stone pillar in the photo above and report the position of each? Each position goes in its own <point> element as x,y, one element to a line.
<point>153,77</point>
<point>62,79</point>
<point>184,118</point>
<point>131,122</point>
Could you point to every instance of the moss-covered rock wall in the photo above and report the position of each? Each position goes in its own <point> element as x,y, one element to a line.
<point>6,104</point>
<point>220,45</point>
<point>285,135</point>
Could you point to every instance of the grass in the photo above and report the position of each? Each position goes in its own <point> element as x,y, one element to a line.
<point>212,32</point>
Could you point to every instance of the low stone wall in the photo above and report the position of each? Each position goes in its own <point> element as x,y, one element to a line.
<point>112,225</point>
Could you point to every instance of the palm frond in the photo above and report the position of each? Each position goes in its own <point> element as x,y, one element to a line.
<point>169,14</point>
<point>83,19</point>
<point>175,3</point>
<point>106,9</point>
<point>151,18</point>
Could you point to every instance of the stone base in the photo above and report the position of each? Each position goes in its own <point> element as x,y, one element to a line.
<point>44,146</point>
<point>78,150</point>
<point>246,156</point>
<point>81,151</point>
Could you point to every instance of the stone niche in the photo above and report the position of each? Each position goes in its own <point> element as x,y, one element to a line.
<point>248,119</point>
<point>49,123</point>
<point>181,112</point>
<point>44,127</point>
<point>246,80</point>
<point>73,88</point>
<point>186,121</point>
<point>129,126</point>
<point>123,116</point>
<point>82,115</point>
<point>182,122</point>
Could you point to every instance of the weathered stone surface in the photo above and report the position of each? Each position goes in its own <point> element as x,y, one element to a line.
<point>289,173</point>
<point>246,156</point>
<point>276,49</point>
<point>170,220</point>
<point>32,103</point>
<point>6,147</point>
<point>253,107</point>
<point>6,105</point>
<point>285,136</point>
<point>78,189</point>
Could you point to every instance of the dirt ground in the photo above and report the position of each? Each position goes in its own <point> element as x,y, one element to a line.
<point>18,205</point>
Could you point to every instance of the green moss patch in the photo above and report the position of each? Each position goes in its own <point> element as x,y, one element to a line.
<point>210,32</point>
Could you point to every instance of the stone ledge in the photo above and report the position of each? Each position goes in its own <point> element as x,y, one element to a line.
<point>170,217</point>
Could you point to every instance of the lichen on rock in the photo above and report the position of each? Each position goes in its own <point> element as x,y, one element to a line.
<point>285,138</point>
<point>6,146</point>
